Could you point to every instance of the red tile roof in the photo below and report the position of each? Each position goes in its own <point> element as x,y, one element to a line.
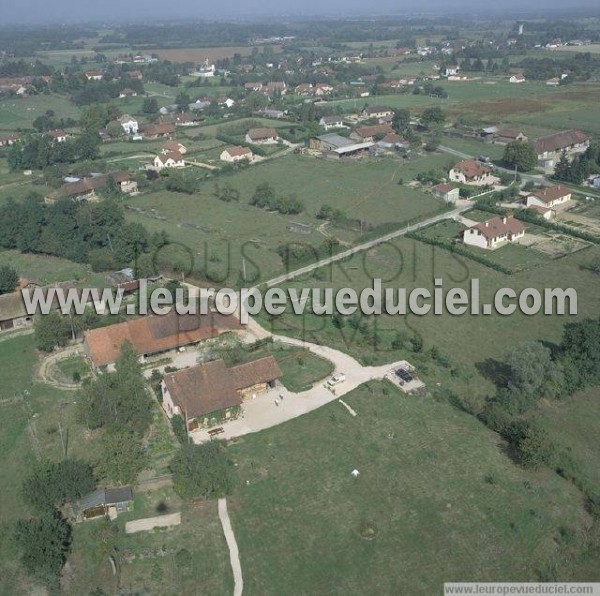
<point>235,151</point>
<point>499,226</point>
<point>211,386</point>
<point>550,194</point>
<point>152,334</point>
<point>471,169</point>
<point>560,141</point>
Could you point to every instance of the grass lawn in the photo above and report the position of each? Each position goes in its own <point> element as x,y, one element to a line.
<point>18,113</point>
<point>430,504</point>
<point>473,147</point>
<point>573,425</point>
<point>468,339</point>
<point>218,233</point>
<point>45,269</point>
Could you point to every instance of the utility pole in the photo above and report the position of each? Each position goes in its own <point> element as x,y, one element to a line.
<point>244,268</point>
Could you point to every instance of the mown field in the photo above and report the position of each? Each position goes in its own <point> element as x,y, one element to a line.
<point>218,233</point>
<point>468,340</point>
<point>437,500</point>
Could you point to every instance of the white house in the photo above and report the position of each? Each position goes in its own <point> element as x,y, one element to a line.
<point>328,122</point>
<point>129,124</point>
<point>548,197</point>
<point>94,75</point>
<point>517,78</point>
<point>58,136</point>
<point>451,70</point>
<point>471,172</point>
<point>494,232</point>
<point>234,154</point>
<point>173,159</point>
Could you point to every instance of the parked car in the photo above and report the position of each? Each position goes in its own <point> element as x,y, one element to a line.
<point>335,379</point>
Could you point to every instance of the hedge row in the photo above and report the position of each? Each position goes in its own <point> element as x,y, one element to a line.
<point>459,249</point>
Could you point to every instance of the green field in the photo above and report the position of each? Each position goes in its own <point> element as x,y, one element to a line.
<point>573,424</point>
<point>16,113</point>
<point>436,500</point>
<point>217,233</point>
<point>469,340</point>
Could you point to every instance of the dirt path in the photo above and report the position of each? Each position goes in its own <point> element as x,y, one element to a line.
<point>44,372</point>
<point>234,553</point>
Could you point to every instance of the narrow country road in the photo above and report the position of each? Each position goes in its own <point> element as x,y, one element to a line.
<point>234,553</point>
<point>463,206</point>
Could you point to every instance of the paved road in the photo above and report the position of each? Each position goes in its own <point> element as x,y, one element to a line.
<point>463,206</point>
<point>234,553</point>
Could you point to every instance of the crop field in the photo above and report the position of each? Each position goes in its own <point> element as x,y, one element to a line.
<point>430,504</point>
<point>199,55</point>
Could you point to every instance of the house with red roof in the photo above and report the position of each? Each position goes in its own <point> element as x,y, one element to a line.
<point>472,172</point>
<point>494,232</point>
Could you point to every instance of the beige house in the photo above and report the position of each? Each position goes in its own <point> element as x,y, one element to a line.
<point>234,154</point>
<point>548,197</point>
<point>494,232</point>
<point>262,136</point>
<point>472,172</point>
<point>210,393</point>
<point>172,159</point>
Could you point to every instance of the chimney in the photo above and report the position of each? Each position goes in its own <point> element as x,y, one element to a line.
<point>487,224</point>
<point>504,220</point>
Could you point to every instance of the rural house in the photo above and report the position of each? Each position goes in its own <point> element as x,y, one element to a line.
<point>157,131</point>
<point>85,189</point>
<point>210,393</point>
<point>328,122</point>
<point>129,124</point>
<point>262,136</point>
<point>550,148</point>
<point>171,159</point>
<point>377,112</point>
<point>548,197</point>
<point>506,136</point>
<point>58,136</point>
<point>234,153</point>
<point>471,172</point>
<point>154,334</point>
<point>368,133</point>
<point>492,233</point>
<point>517,78</point>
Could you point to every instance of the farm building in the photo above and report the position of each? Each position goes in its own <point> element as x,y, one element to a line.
<point>154,334</point>
<point>210,393</point>
<point>446,192</point>
<point>104,502</point>
<point>550,148</point>
<point>85,189</point>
